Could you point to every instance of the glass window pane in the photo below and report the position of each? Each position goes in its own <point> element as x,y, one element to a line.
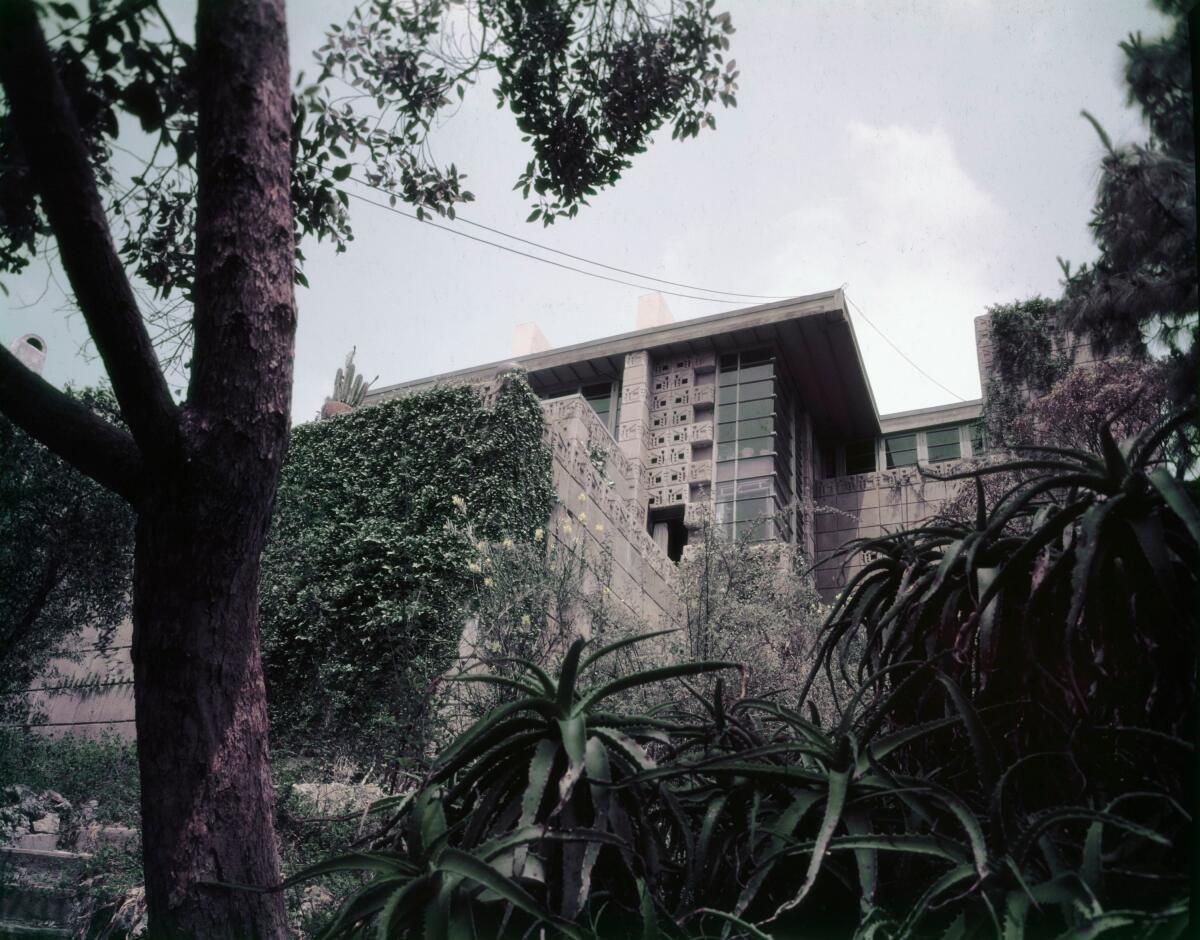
<point>729,361</point>
<point>759,530</point>
<point>756,427</point>
<point>756,373</point>
<point>726,450</point>
<point>727,377</point>
<point>752,357</point>
<point>724,513</point>
<point>753,509</point>
<point>943,444</point>
<point>756,409</point>
<point>901,450</point>
<point>978,446</point>
<point>727,430</point>
<point>725,470</point>
<point>727,395</point>
<point>758,486</point>
<point>860,456</point>
<point>755,390</point>
<point>754,446</point>
<point>723,492</point>
<point>756,466</point>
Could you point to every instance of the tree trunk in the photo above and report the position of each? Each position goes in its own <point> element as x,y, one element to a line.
<point>202,478</point>
<point>201,715</point>
<point>201,704</point>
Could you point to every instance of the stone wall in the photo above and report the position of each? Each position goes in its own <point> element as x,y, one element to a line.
<point>599,508</point>
<point>866,505</point>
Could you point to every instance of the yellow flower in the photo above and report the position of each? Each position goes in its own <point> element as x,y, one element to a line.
<point>538,534</point>
<point>458,501</point>
<point>487,582</point>
<point>474,567</point>
<point>582,516</point>
<point>567,527</point>
<point>583,497</point>
<point>507,543</point>
<point>599,526</point>
<point>525,619</point>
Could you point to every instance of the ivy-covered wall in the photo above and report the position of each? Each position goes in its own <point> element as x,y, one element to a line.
<point>367,578</point>
<point>1027,359</point>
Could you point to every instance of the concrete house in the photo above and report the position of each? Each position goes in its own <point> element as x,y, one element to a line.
<point>760,419</point>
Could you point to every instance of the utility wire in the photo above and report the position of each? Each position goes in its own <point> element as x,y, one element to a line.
<point>898,350</point>
<point>526,254</point>
<point>458,217</point>
<point>567,267</point>
<point>601,264</point>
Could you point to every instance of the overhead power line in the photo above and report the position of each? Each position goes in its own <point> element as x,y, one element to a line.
<point>458,217</point>
<point>601,264</point>
<point>900,352</point>
<point>526,254</point>
<point>614,280</point>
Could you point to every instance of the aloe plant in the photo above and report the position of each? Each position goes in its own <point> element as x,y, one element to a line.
<point>537,791</point>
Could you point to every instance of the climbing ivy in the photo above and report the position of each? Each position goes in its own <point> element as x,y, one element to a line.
<point>1027,360</point>
<point>370,568</point>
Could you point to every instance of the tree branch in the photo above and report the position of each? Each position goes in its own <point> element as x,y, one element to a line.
<point>70,429</point>
<point>58,160</point>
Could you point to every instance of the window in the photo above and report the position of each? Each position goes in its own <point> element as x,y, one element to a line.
<point>755,446</point>
<point>978,445</point>
<point>943,444</point>
<point>860,456</point>
<point>753,390</point>
<point>828,461</point>
<point>901,450</point>
<point>752,424</point>
<point>763,408</point>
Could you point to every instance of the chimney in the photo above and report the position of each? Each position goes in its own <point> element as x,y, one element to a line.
<point>528,339</point>
<point>652,311</point>
<point>30,349</point>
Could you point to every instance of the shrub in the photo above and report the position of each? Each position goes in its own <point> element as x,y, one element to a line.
<point>104,769</point>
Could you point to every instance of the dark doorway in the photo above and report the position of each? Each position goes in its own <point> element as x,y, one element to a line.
<point>674,534</point>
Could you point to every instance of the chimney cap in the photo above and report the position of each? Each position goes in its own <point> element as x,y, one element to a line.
<point>528,339</point>
<point>653,311</point>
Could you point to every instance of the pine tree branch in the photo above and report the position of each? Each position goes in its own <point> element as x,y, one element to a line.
<point>70,429</point>
<point>57,155</point>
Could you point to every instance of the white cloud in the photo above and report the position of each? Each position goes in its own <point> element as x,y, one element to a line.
<point>916,237</point>
<point>915,174</point>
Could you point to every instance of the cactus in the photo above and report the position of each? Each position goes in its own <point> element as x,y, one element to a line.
<point>348,386</point>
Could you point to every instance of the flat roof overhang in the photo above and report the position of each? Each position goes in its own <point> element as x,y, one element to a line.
<point>813,334</point>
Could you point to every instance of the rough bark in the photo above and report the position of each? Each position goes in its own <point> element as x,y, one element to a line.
<point>203,477</point>
<point>201,713</point>
<point>201,703</point>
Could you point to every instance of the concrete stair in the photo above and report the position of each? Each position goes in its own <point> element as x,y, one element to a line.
<point>37,896</point>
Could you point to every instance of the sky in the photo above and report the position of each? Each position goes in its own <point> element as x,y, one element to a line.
<point>929,157</point>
